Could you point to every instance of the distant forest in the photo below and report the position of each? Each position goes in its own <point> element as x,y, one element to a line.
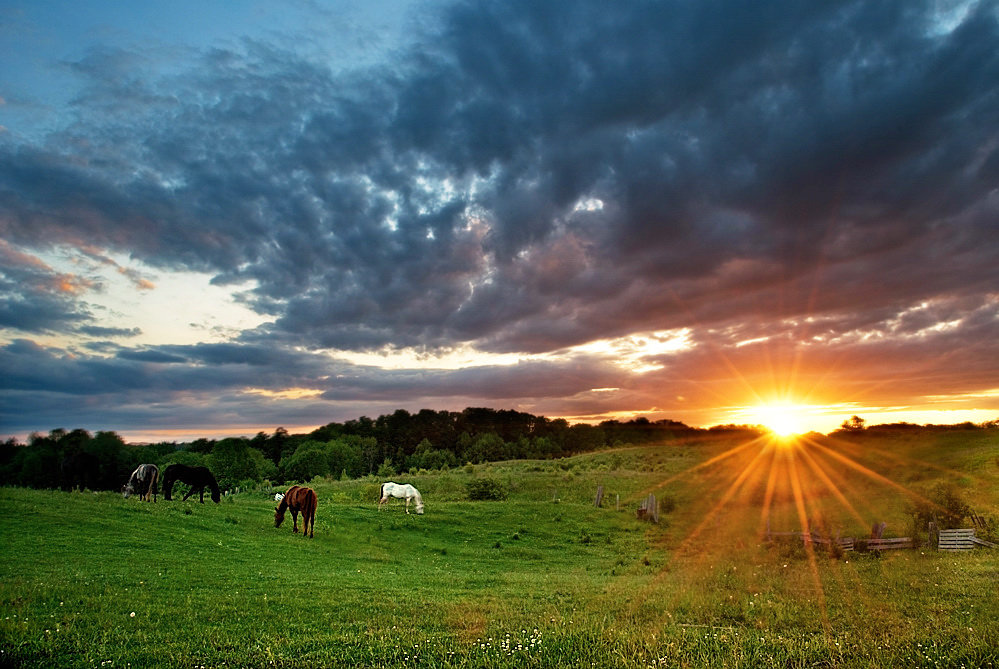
<point>387,446</point>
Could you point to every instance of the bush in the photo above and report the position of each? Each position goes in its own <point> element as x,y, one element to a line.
<point>485,489</point>
<point>943,505</point>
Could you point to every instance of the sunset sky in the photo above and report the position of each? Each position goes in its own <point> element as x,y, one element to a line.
<point>218,218</point>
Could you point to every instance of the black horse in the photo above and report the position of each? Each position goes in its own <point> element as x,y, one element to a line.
<point>197,477</point>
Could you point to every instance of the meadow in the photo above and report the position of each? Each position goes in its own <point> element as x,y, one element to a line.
<point>541,578</point>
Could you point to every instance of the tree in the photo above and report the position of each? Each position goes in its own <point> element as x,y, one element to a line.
<point>113,456</point>
<point>183,457</point>
<point>308,461</point>
<point>428,457</point>
<point>487,448</point>
<point>231,463</point>
<point>345,455</point>
<point>855,424</point>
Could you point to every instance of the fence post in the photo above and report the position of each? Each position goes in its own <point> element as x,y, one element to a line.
<point>600,496</point>
<point>649,509</point>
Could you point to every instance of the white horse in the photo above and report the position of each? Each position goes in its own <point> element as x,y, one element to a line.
<point>406,492</point>
<point>142,482</point>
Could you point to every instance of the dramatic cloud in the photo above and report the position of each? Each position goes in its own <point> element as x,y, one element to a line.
<point>807,187</point>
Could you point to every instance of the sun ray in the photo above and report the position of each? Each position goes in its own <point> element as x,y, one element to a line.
<point>799,502</point>
<point>824,477</point>
<point>690,470</point>
<point>894,457</point>
<point>769,493</point>
<point>870,473</point>
<point>726,497</point>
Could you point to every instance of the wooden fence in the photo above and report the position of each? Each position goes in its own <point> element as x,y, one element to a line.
<point>890,544</point>
<point>963,539</point>
<point>947,540</point>
<point>845,543</point>
<point>649,509</point>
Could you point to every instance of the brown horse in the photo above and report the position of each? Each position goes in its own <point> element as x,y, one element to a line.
<point>298,499</point>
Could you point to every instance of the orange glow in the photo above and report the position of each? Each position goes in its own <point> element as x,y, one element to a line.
<point>782,418</point>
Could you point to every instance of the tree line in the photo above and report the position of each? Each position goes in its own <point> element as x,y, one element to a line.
<point>387,446</point>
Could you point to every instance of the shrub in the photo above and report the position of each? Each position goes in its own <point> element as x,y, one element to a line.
<point>485,489</point>
<point>386,470</point>
<point>943,505</point>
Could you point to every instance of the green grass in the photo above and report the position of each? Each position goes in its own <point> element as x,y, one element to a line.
<point>526,582</point>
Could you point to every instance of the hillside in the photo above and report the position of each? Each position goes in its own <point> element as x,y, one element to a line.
<point>541,578</point>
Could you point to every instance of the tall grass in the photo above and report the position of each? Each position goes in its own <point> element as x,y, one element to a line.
<point>542,579</point>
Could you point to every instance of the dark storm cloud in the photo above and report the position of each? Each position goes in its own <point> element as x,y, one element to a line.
<point>534,379</point>
<point>99,331</point>
<point>154,386</point>
<point>529,176</point>
<point>36,299</point>
<point>712,132</point>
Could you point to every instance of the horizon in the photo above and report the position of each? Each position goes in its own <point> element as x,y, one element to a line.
<point>182,435</point>
<point>712,212</point>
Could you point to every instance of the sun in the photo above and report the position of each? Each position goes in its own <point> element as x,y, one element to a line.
<point>782,418</point>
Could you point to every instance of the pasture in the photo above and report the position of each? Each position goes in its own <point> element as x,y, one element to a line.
<point>540,579</point>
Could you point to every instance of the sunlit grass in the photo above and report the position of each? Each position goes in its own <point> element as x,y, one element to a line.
<point>543,579</point>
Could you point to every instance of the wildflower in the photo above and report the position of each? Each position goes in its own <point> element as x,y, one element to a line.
<point>132,614</point>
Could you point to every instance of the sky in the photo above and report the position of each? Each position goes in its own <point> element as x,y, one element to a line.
<point>220,218</point>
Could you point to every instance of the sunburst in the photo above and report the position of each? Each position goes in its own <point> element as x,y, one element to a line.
<point>784,419</point>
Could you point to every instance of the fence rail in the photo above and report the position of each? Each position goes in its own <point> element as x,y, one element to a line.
<point>889,544</point>
<point>956,540</point>
<point>963,539</point>
<point>845,543</point>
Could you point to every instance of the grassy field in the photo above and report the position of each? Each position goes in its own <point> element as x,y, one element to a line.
<point>541,579</point>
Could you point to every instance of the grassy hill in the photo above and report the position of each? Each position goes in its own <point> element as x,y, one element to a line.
<point>542,578</point>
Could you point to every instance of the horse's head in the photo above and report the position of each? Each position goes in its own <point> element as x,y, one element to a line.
<point>278,516</point>
<point>216,497</point>
<point>126,490</point>
<point>419,508</point>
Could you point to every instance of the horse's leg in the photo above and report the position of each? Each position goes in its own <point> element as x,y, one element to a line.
<point>294,520</point>
<point>201,494</point>
<point>189,493</point>
<point>407,505</point>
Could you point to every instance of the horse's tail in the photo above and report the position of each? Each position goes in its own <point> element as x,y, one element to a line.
<point>381,493</point>
<point>313,505</point>
<point>152,484</point>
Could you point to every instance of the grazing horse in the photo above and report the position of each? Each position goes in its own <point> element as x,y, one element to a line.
<point>142,482</point>
<point>298,499</point>
<point>406,492</point>
<point>196,477</point>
